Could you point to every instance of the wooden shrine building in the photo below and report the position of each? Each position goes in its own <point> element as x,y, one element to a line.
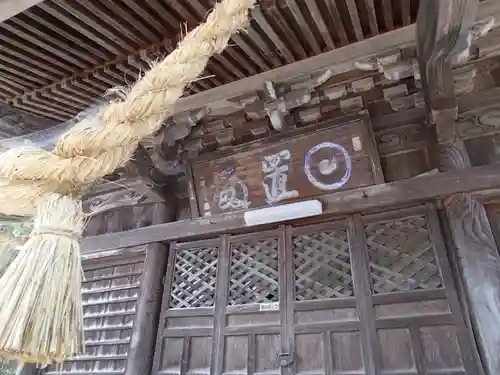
<point>391,122</point>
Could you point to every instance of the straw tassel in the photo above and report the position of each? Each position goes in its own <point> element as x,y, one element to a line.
<point>41,310</point>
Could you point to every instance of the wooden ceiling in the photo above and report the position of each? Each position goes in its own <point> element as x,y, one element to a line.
<point>60,56</point>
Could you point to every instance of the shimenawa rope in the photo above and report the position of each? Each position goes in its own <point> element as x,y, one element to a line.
<point>41,310</point>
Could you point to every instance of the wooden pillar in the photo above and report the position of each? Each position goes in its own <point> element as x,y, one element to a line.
<point>30,369</point>
<point>478,257</point>
<point>142,343</point>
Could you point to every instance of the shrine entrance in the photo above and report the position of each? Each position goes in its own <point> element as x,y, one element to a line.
<point>367,294</point>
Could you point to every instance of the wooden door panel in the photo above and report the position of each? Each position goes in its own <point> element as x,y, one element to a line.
<point>367,295</point>
<point>184,344</point>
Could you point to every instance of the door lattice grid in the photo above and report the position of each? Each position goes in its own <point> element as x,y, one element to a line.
<point>402,256</point>
<point>254,272</point>
<point>322,265</point>
<point>194,278</point>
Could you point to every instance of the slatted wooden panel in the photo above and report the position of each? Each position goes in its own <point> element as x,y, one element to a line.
<point>110,292</point>
<point>402,255</point>
<point>363,295</point>
<point>59,56</point>
<point>110,295</point>
<point>187,322</point>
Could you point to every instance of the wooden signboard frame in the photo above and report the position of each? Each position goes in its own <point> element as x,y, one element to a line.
<point>291,166</point>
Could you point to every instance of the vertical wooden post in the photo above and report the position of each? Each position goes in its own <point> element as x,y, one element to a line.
<point>30,369</point>
<point>142,343</point>
<point>478,258</point>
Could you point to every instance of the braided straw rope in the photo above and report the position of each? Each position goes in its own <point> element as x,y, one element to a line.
<point>41,314</point>
<point>96,147</point>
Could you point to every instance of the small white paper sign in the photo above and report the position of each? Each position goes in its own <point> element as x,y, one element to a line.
<point>271,306</point>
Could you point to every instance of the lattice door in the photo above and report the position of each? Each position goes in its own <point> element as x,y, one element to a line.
<point>363,295</point>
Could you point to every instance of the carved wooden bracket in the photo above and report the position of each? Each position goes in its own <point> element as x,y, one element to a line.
<point>439,33</point>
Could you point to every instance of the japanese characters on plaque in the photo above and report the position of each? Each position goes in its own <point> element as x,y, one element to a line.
<point>300,167</point>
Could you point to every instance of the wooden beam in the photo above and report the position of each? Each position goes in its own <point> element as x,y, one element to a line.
<point>141,352</point>
<point>356,23</point>
<point>372,197</point>
<point>340,60</point>
<point>9,8</point>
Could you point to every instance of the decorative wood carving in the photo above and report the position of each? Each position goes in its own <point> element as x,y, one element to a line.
<point>121,196</point>
<point>402,139</point>
<point>479,258</point>
<point>479,123</point>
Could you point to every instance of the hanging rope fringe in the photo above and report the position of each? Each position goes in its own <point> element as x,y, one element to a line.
<point>40,295</point>
<point>41,311</point>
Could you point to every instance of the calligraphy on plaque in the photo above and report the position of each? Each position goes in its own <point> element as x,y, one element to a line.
<point>277,170</point>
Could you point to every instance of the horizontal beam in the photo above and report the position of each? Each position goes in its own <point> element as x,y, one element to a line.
<point>9,8</point>
<point>398,193</point>
<point>339,60</point>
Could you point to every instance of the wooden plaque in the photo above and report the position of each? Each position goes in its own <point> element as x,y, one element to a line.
<point>299,167</point>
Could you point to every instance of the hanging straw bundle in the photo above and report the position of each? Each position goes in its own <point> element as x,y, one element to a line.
<point>40,296</point>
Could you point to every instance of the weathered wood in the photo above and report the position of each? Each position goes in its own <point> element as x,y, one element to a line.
<point>357,200</point>
<point>360,264</point>
<point>304,167</point>
<point>217,352</point>
<point>142,343</point>
<point>469,354</point>
<point>339,60</point>
<point>478,256</point>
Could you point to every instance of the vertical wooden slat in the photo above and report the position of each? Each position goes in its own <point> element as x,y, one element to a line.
<point>372,17</point>
<point>363,293</point>
<point>266,27</point>
<point>287,295</point>
<point>167,286</point>
<point>304,27</point>
<point>464,339</point>
<point>296,45</point>
<point>186,346</point>
<point>378,172</point>
<point>250,52</point>
<point>218,344</point>
<point>148,311</point>
<point>356,23</point>
<point>418,349</point>
<point>337,21</point>
<point>260,43</point>
<point>251,358</point>
<point>320,23</point>
<point>406,12</point>
<point>388,18</point>
<point>327,352</point>
<point>193,201</point>
<point>166,15</point>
